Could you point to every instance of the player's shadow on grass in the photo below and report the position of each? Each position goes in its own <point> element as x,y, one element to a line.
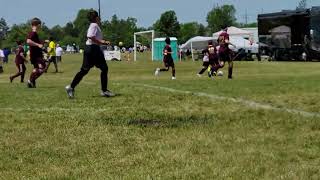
<point>146,123</point>
<point>99,96</point>
<point>168,123</point>
<point>52,72</point>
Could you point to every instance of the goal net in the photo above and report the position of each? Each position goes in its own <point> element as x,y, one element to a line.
<point>138,46</point>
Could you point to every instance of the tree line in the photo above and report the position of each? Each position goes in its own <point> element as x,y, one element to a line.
<point>121,30</point>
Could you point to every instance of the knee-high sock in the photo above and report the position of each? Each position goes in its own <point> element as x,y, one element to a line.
<point>203,70</point>
<point>36,73</point>
<point>56,66</point>
<point>230,69</point>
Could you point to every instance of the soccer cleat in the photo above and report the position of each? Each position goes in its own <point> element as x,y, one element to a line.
<point>70,91</point>
<point>34,84</point>
<point>31,84</point>
<point>199,75</point>
<point>173,78</point>
<point>107,93</point>
<point>157,72</point>
<point>214,73</point>
<point>11,79</point>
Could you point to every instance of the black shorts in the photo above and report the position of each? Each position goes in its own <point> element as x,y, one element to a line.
<point>38,61</point>
<point>211,62</point>
<point>168,63</point>
<point>93,56</point>
<point>225,56</point>
<point>59,58</point>
<point>53,59</point>
<point>206,63</point>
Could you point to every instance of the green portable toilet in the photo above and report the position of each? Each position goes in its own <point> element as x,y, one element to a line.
<point>158,46</point>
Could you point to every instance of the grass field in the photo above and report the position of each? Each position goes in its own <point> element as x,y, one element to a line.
<point>263,124</point>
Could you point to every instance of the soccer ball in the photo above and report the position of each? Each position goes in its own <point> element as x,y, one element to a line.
<point>220,73</point>
<point>120,43</point>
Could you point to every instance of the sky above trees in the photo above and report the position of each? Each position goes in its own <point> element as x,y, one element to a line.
<point>145,11</point>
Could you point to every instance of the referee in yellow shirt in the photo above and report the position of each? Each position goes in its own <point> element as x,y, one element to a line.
<point>52,54</point>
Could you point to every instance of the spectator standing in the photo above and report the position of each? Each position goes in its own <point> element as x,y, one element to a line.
<point>59,52</point>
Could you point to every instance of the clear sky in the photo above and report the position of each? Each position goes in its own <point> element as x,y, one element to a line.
<point>54,12</point>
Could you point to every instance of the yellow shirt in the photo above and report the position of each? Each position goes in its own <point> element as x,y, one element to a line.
<point>52,49</point>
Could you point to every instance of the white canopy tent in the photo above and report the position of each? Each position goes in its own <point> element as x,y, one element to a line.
<point>234,31</point>
<point>237,37</point>
<point>245,44</point>
<point>198,42</point>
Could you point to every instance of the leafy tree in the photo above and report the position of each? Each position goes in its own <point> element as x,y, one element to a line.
<point>221,16</point>
<point>81,24</point>
<point>69,40</point>
<point>168,24</point>
<point>20,32</point>
<point>188,30</point>
<point>57,33</point>
<point>3,29</point>
<point>70,30</point>
<point>17,32</point>
<point>202,31</point>
<point>119,30</point>
<point>250,25</point>
<point>44,33</point>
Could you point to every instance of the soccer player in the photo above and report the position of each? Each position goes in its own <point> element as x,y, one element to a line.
<point>93,56</point>
<point>20,60</point>
<point>36,55</point>
<point>210,58</point>
<point>52,55</point>
<point>225,52</point>
<point>167,60</point>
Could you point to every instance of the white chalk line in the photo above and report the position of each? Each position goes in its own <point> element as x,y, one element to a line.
<point>248,103</point>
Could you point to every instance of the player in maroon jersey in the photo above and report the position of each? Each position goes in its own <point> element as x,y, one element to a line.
<point>36,55</point>
<point>20,60</point>
<point>225,52</point>
<point>210,58</point>
<point>167,60</point>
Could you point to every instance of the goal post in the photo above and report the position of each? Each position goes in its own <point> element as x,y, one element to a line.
<point>135,42</point>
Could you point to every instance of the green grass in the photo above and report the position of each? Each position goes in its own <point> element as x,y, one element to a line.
<point>152,133</point>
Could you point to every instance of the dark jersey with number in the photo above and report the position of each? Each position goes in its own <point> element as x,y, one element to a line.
<point>224,47</point>
<point>19,58</point>
<point>211,52</point>
<point>35,52</point>
<point>167,56</point>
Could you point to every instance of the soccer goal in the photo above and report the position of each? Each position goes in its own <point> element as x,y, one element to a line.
<point>143,33</point>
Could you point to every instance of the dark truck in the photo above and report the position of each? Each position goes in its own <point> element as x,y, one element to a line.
<point>290,35</point>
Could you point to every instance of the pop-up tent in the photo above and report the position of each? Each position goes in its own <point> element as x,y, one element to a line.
<point>234,31</point>
<point>198,43</point>
<point>245,44</point>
